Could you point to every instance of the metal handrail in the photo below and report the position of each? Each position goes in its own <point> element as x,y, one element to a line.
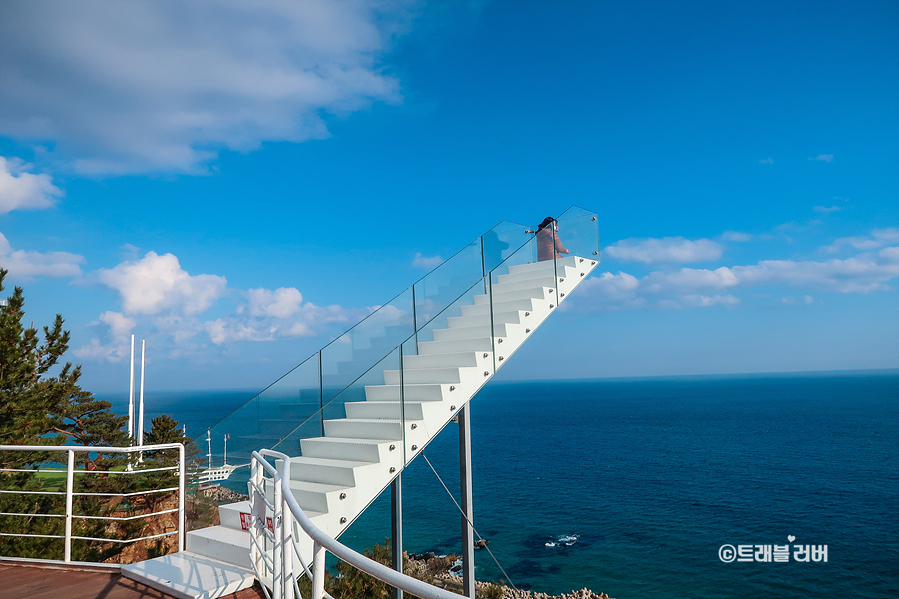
<point>70,493</point>
<point>322,542</point>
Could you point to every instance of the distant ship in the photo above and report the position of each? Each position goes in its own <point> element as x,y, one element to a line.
<point>213,477</point>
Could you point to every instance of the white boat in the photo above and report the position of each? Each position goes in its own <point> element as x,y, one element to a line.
<point>213,477</point>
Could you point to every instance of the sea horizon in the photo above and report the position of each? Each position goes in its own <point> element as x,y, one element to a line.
<point>630,486</point>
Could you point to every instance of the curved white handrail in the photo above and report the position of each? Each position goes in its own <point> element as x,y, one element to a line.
<point>323,541</point>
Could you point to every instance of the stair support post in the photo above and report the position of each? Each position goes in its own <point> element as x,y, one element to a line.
<point>318,571</point>
<point>468,586</point>
<point>396,521</point>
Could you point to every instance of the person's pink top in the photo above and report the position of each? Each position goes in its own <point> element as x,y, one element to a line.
<point>545,244</point>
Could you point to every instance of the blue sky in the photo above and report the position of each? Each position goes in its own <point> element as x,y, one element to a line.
<point>238,183</point>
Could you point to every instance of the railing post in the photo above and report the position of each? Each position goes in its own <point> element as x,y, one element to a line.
<point>286,549</point>
<point>318,571</point>
<point>70,487</point>
<point>468,586</point>
<point>257,516</point>
<point>396,520</point>
<point>277,565</point>
<point>181,478</point>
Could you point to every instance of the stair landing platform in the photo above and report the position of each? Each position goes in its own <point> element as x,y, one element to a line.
<point>188,575</point>
<point>51,580</point>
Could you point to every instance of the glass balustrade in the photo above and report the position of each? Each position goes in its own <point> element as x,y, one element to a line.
<point>373,372</point>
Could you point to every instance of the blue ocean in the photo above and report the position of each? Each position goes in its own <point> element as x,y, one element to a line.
<point>632,486</point>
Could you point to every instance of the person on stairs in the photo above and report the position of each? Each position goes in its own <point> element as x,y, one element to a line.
<point>548,244</point>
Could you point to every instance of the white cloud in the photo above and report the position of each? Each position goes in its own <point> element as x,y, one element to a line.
<point>277,315</point>
<point>426,262</point>
<point>699,287</point>
<point>827,210</point>
<point>705,301</point>
<point>125,87</point>
<point>736,236</point>
<point>116,347</point>
<point>767,160</point>
<point>280,303</point>
<point>877,239</point>
<point>21,190</point>
<point>158,283</point>
<point>667,249</point>
<point>823,157</point>
<point>26,263</point>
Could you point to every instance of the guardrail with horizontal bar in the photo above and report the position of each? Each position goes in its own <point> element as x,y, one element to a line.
<point>286,512</point>
<point>70,492</point>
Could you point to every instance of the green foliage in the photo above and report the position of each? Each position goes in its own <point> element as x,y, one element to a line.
<point>43,409</point>
<point>350,582</point>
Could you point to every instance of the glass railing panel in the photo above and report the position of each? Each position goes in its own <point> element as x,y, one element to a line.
<point>357,412</point>
<point>352,354</point>
<point>443,285</point>
<point>267,418</point>
<point>445,318</point>
<point>510,287</point>
<point>374,399</point>
<point>580,235</point>
<point>575,211</point>
<point>411,395</point>
<point>502,241</point>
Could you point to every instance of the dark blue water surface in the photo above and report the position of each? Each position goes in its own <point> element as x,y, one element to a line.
<point>645,479</point>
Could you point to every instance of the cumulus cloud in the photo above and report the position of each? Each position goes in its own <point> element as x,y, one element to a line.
<point>27,264</point>
<point>736,236</point>
<point>823,157</point>
<point>426,262</point>
<point>158,283</point>
<point>21,190</point>
<point>270,315</point>
<point>667,249</point>
<point>877,239</point>
<point>704,287</point>
<point>128,87</point>
<point>767,160</point>
<point>826,209</point>
<point>115,328</point>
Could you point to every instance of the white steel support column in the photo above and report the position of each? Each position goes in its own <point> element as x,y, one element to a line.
<point>467,511</point>
<point>396,520</point>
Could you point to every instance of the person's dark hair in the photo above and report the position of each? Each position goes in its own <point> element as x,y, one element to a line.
<point>546,222</point>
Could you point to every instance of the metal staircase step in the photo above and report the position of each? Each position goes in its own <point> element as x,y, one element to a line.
<point>188,575</point>
<point>500,295</point>
<point>483,344</point>
<point>365,428</point>
<point>477,332</point>
<point>526,304</point>
<point>221,543</point>
<point>411,392</point>
<point>446,374</point>
<point>467,358</point>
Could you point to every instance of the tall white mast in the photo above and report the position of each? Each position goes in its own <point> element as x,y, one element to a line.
<point>140,418</point>
<point>131,398</point>
<point>225,459</point>
<point>209,441</point>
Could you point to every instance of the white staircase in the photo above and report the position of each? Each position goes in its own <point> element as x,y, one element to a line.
<point>342,472</point>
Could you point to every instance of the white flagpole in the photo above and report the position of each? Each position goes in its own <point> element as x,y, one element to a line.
<point>140,418</point>
<point>131,396</point>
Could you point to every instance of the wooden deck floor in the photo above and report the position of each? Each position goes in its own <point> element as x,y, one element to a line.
<point>33,581</point>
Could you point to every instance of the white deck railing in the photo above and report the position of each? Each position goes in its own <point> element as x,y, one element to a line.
<point>287,517</point>
<point>70,493</point>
